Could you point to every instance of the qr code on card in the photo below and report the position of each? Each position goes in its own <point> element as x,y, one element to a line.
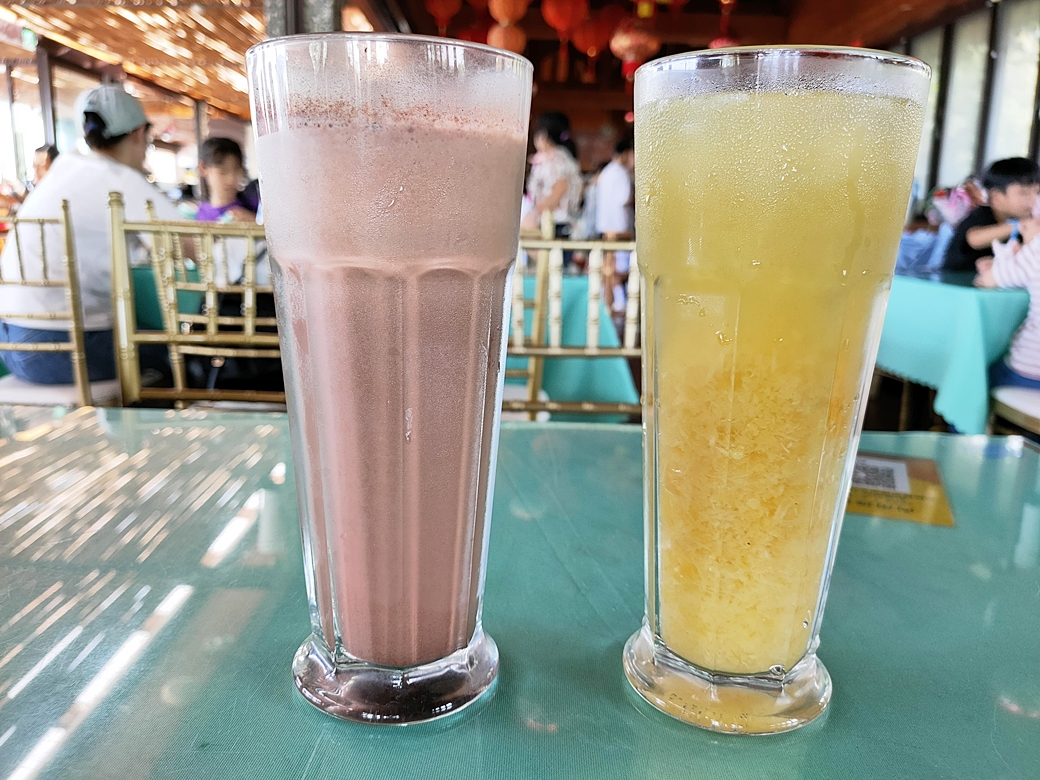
<point>878,474</point>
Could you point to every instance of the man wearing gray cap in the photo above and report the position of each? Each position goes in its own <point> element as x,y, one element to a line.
<point>116,130</point>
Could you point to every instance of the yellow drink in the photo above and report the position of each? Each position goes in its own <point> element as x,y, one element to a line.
<point>768,224</point>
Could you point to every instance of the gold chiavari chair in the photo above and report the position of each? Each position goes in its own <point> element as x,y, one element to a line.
<point>82,392</point>
<point>190,259</point>
<point>546,338</point>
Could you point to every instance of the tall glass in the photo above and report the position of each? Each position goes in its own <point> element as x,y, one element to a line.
<point>771,187</point>
<point>391,174</point>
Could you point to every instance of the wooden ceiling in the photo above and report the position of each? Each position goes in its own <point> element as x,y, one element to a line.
<point>872,23</point>
<point>197,47</point>
<point>754,22</point>
<point>194,48</point>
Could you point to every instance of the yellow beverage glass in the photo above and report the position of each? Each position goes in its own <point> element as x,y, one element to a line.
<point>771,187</point>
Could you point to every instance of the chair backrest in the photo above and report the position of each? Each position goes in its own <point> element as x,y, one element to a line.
<point>190,262</point>
<point>76,345</point>
<point>545,340</point>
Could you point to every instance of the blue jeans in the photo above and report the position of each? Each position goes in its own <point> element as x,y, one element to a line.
<point>55,368</point>
<point>1002,375</point>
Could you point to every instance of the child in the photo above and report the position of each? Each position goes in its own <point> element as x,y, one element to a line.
<point>1013,186</point>
<point>1014,265</point>
<point>222,166</point>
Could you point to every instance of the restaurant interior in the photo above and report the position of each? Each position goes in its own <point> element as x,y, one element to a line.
<point>591,498</point>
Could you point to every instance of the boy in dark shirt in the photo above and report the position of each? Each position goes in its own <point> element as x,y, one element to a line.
<point>1013,186</point>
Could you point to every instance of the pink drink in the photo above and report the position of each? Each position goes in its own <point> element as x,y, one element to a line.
<point>392,169</point>
<point>391,307</point>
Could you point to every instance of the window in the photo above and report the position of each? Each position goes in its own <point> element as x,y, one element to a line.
<point>964,99</point>
<point>8,165</point>
<point>22,134</point>
<point>928,49</point>
<point>1014,81</point>
<point>68,86</point>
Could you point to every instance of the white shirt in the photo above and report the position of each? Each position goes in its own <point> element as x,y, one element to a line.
<point>1021,268</point>
<point>613,207</point>
<point>85,182</point>
<point>613,195</point>
<point>552,166</point>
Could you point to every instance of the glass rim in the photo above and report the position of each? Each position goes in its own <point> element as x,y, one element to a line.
<point>407,38</point>
<point>809,51</point>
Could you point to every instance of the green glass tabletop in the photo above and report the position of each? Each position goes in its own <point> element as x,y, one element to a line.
<point>151,600</point>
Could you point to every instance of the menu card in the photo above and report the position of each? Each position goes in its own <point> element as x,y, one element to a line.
<point>899,489</point>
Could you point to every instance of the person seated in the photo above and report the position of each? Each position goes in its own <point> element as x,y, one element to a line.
<point>116,131</point>
<point>1012,186</point>
<point>222,167</point>
<point>1017,265</point>
<point>43,159</point>
<point>615,218</point>
<point>10,197</point>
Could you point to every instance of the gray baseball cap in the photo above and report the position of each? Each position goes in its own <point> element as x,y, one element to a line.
<point>120,110</point>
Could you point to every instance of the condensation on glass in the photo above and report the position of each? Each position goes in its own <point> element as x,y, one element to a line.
<point>392,168</point>
<point>771,188</point>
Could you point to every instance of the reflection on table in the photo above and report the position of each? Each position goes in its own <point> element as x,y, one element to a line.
<point>153,598</point>
<point>942,332</point>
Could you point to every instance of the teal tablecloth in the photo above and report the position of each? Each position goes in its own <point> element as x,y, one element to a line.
<point>148,619</point>
<point>581,379</point>
<point>942,332</point>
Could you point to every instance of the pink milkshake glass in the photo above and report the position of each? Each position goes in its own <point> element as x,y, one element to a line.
<point>391,171</point>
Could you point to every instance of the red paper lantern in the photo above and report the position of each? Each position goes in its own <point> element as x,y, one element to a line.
<point>590,38</point>
<point>508,11</point>
<point>442,11</point>
<point>564,16</point>
<point>477,32</point>
<point>675,6</point>
<point>609,18</point>
<point>633,42</point>
<point>724,40</point>
<point>507,36</point>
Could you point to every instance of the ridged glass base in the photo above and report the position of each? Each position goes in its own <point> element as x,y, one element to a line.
<point>378,694</point>
<point>724,703</point>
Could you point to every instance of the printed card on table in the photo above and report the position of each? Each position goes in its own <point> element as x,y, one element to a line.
<point>899,489</point>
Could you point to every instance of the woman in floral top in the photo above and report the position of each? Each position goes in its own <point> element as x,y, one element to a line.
<point>555,183</point>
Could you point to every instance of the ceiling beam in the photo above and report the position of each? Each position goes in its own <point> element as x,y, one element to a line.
<point>553,99</point>
<point>695,30</point>
<point>870,22</point>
